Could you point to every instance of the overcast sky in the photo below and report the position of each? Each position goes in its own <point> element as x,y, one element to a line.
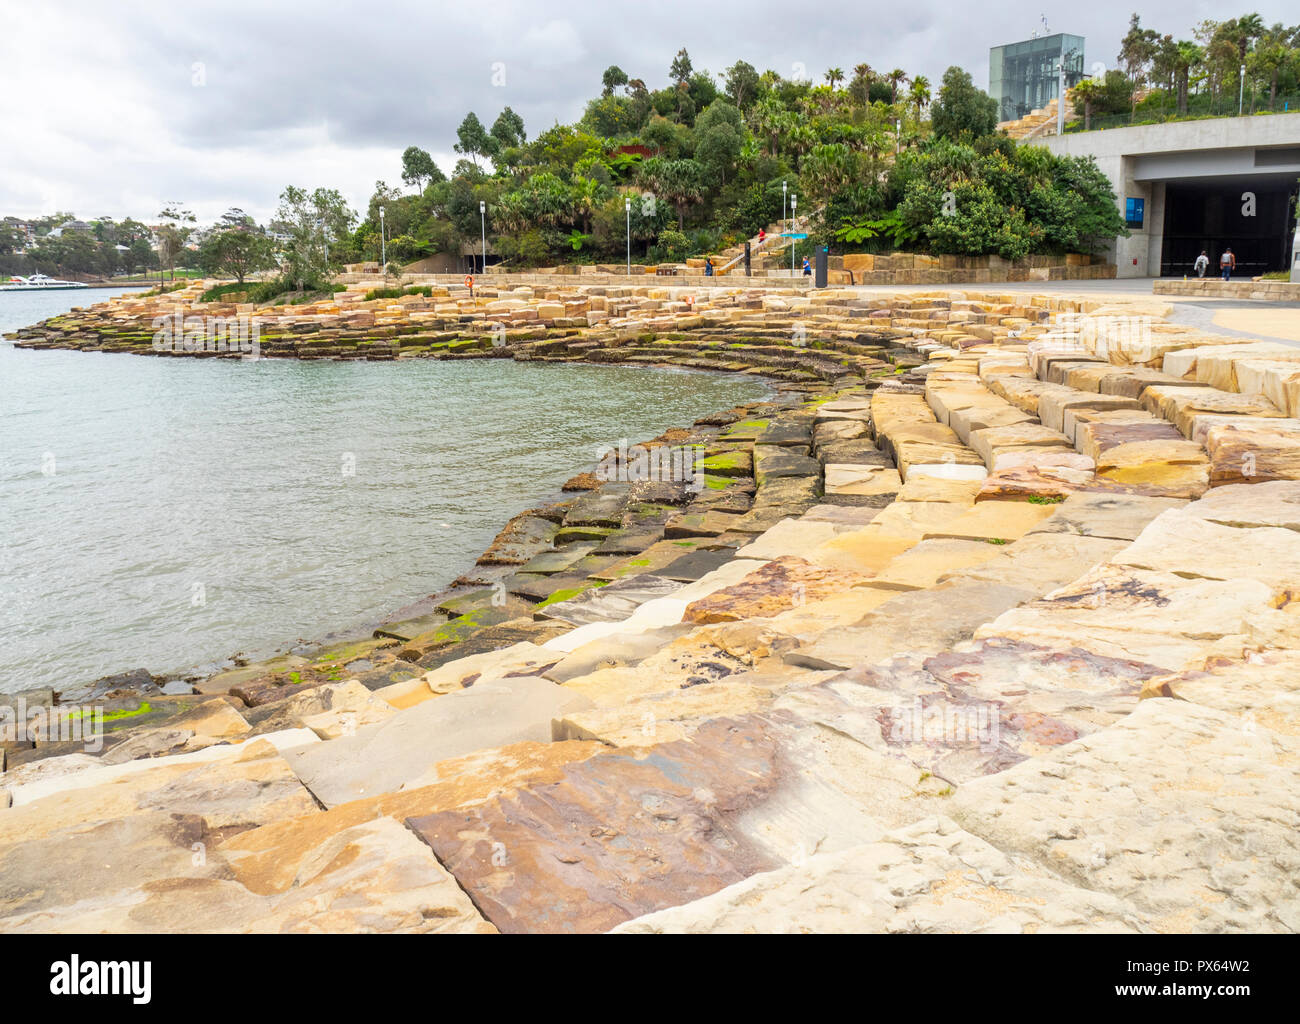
<point>112,109</point>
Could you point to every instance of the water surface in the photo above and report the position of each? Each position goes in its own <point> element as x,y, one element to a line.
<point>167,513</point>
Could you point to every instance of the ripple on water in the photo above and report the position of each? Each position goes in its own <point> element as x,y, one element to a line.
<point>194,508</point>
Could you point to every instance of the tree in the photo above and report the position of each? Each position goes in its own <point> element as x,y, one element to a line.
<point>310,220</point>
<point>236,251</point>
<point>860,86</point>
<point>895,78</point>
<point>675,181</point>
<point>418,168</point>
<point>742,83</point>
<point>1137,50</point>
<point>508,129</point>
<point>613,77</point>
<point>834,76</point>
<point>1086,93</point>
<point>680,72</point>
<point>1244,31</point>
<point>474,141</point>
<point>962,109</point>
<point>1186,56</point>
<point>919,94</point>
<point>173,232</point>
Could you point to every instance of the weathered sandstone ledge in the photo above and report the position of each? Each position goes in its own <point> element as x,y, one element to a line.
<point>985,623</point>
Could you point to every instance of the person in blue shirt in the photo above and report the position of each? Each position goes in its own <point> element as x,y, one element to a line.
<point>708,266</point>
<point>807,267</point>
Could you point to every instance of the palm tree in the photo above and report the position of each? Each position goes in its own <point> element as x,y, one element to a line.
<point>860,87</point>
<point>1087,92</point>
<point>834,76</point>
<point>919,94</point>
<point>1248,28</point>
<point>768,118</point>
<point>586,194</point>
<point>1186,56</point>
<point>895,78</point>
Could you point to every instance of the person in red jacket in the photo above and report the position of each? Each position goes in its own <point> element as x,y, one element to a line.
<point>762,235</point>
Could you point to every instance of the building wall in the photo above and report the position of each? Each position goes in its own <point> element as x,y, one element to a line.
<point>1139,160</point>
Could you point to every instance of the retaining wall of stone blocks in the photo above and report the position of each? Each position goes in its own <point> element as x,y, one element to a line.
<point>1215,288</point>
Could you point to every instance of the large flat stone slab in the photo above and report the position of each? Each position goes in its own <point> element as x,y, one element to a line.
<point>776,586</point>
<point>929,877</point>
<point>1193,547</point>
<point>611,603</point>
<point>633,831</point>
<point>382,758</point>
<point>1038,562</point>
<point>1114,517</point>
<point>1177,809</point>
<point>1276,503</point>
<point>1154,617</point>
<point>95,835</point>
<point>1259,689</point>
<point>918,621</point>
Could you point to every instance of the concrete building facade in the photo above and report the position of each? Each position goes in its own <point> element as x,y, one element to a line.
<point>1188,186</point>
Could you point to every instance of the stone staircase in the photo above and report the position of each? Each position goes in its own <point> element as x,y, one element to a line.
<point>986,621</point>
<point>731,259</point>
<point>1040,122</point>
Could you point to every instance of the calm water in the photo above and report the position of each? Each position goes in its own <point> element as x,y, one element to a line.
<point>168,513</point>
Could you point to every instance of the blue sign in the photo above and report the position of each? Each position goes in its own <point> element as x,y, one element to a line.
<point>1133,212</point>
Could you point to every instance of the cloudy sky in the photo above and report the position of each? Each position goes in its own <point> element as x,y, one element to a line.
<point>116,108</point>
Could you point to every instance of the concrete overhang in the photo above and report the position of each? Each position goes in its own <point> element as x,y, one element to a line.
<point>1219,146</point>
<point>1281,161</point>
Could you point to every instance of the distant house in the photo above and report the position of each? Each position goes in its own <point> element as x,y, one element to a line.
<point>71,227</point>
<point>23,230</point>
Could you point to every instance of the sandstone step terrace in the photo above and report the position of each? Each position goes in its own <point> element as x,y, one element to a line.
<point>984,623</point>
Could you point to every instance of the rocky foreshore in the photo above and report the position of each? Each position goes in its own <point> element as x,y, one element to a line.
<point>987,621</point>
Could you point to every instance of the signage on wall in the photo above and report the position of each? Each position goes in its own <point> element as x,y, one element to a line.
<point>1133,212</point>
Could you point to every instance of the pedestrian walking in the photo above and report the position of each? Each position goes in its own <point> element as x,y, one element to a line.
<point>807,267</point>
<point>1202,264</point>
<point>708,266</point>
<point>762,237</point>
<point>1227,263</point>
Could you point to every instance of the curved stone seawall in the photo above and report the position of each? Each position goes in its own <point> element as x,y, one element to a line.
<point>987,621</point>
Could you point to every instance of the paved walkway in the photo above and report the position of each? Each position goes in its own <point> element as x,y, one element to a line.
<point>1247,318</point>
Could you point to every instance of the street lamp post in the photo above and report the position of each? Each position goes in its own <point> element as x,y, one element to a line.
<point>794,216</point>
<point>783,204</point>
<point>1241,96</point>
<point>482,223</point>
<point>1060,96</point>
<point>627,208</point>
<point>383,244</point>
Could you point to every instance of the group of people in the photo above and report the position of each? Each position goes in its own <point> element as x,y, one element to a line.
<point>1227,264</point>
<point>762,237</point>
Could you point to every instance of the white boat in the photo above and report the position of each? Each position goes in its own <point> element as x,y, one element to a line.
<point>38,282</point>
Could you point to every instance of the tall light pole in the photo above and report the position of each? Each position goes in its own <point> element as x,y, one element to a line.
<point>627,208</point>
<point>783,204</point>
<point>482,223</point>
<point>1241,97</point>
<point>794,216</point>
<point>1060,96</point>
<point>898,135</point>
<point>383,244</point>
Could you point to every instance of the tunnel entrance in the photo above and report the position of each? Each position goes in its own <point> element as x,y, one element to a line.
<point>1213,216</point>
